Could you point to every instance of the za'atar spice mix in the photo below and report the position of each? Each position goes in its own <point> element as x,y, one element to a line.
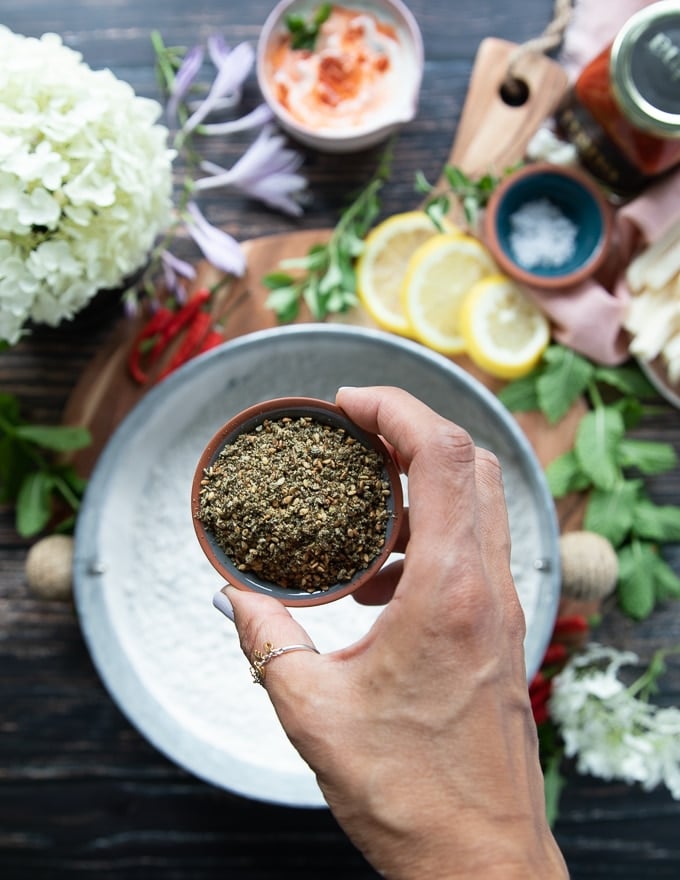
<point>299,503</point>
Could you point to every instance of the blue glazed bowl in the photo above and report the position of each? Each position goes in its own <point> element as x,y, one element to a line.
<point>548,226</point>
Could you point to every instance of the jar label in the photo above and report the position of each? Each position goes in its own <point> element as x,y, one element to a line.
<point>596,151</point>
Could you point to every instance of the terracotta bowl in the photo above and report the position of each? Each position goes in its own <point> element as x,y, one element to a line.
<point>377,125</point>
<point>326,414</point>
<point>572,195</point>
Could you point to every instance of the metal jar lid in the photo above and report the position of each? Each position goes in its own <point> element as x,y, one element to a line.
<point>645,69</point>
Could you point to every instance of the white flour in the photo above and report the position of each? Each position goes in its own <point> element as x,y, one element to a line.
<point>184,649</point>
<point>187,654</point>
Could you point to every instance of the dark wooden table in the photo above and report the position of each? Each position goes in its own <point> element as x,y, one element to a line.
<point>81,793</point>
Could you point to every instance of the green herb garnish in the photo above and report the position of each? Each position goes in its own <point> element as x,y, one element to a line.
<point>304,31</point>
<point>30,477</point>
<point>472,194</point>
<point>610,465</point>
<point>328,282</point>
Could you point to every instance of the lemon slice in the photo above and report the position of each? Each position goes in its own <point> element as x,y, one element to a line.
<point>505,333</point>
<point>382,264</point>
<point>438,277</point>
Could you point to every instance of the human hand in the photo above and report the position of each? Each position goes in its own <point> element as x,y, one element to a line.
<point>421,733</point>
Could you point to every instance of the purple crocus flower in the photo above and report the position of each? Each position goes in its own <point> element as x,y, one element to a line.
<point>184,78</point>
<point>173,270</point>
<point>233,70</point>
<point>266,171</point>
<point>259,116</point>
<point>217,246</point>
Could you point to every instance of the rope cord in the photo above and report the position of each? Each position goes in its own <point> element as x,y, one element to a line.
<point>549,39</point>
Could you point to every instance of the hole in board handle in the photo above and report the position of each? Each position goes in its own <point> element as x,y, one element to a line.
<point>514,91</point>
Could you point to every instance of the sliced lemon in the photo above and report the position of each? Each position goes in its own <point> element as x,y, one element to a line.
<point>438,277</point>
<point>505,333</point>
<point>382,264</point>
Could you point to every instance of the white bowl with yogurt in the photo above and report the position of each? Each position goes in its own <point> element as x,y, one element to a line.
<point>353,84</point>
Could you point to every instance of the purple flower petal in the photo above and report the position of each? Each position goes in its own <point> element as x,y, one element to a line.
<point>181,267</point>
<point>259,116</point>
<point>231,74</point>
<point>218,49</point>
<point>217,246</point>
<point>266,172</point>
<point>184,78</point>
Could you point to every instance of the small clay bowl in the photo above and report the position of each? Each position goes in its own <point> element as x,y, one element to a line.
<point>326,414</point>
<point>378,124</point>
<point>576,197</point>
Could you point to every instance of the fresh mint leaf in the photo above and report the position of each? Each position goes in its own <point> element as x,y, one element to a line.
<point>666,581</point>
<point>57,438</point>
<point>636,592</point>
<point>626,379</point>
<point>33,504</point>
<point>285,301</point>
<point>564,475</point>
<point>276,280</point>
<point>647,456</point>
<point>521,395</point>
<point>563,379</point>
<point>659,523</point>
<point>610,512</point>
<point>597,446</point>
<point>304,31</point>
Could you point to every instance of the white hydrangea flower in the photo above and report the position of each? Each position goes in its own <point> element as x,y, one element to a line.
<point>611,732</point>
<point>85,181</point>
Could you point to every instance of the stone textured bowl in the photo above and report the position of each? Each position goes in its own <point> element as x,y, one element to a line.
<point>324,413</point>
<point>576,196</point>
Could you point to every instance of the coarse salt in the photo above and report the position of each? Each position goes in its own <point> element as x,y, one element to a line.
<point>541,235</point>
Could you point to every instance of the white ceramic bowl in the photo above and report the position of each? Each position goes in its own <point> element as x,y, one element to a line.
<point>336,132</point>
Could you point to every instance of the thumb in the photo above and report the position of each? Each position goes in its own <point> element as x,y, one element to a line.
<point>261,622</point>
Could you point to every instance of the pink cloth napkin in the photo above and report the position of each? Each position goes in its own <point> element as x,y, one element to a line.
<point>589,317</point>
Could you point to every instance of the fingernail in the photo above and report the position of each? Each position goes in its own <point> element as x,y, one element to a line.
<point>223,604</point>
<point>347,388</point>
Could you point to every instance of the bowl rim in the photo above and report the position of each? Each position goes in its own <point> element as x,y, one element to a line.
<point>327,413</point>
<point>527,276</point>
<point>366,133</point>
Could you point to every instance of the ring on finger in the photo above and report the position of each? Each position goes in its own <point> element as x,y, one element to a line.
<point>269,652</point>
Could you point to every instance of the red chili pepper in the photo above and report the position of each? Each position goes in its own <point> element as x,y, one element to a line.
<point>191,343</point>
<point>212,340</point>
<point>156,324</point>
<point>555,654</point>
<point>576,623</point>
<point>183,316</point>
<point>539,694</point>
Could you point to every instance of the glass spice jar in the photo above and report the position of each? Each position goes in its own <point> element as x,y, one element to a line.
<point>623,112</point>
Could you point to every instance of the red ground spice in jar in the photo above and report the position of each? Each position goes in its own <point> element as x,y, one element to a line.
<point>623,113</point>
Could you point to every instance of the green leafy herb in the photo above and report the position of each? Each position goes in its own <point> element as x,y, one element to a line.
<point>327,282</point>
<point>30,475</point>
<point>472,194</point>
<point>304,31</point>
<point>610,466</point>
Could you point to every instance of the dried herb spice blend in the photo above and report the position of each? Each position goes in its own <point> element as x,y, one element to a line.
<point>297,502</point>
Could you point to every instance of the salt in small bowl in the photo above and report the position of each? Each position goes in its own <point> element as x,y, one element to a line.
<point>326,414</point>
<point>569,216</point>
<point>372,127</point>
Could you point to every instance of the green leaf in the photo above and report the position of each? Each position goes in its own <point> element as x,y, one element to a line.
<point>648,456</point>
<point>553,783</point>
<point>636,591</point>
<point>564,475</point>
<point>58,438</point>
<point>666,581</point>
<point>276,280</point>
<point>15,464</point>
<point>422,184</point>
<point>33,504</point>
<point>656,522</point>
<point>564,378</point>
<point>627,380</point>
<point>597,442</point>
<point>521,395</point>
<point>610,512</point>
<point>9,408</point>
<point>285,302</point>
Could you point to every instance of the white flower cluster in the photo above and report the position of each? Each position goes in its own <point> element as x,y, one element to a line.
<point>613,733</point>
<point>85,181</point>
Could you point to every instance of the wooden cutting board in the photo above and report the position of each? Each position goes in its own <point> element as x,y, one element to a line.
<point>491,136</point>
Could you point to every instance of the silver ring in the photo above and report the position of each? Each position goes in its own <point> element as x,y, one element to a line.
<point>257,670</point>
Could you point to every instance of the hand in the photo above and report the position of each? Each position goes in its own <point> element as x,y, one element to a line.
<point>421,733</point>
